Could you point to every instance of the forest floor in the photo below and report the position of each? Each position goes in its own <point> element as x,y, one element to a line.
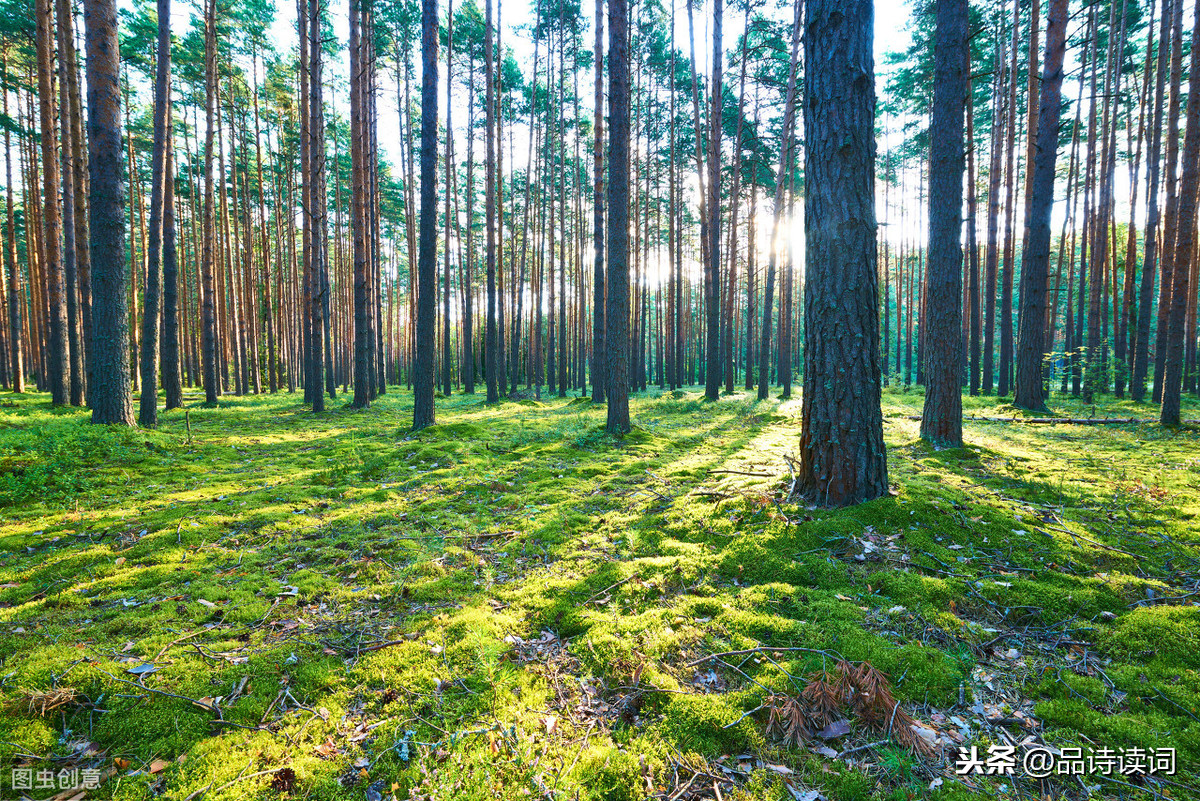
<point>254,602</point>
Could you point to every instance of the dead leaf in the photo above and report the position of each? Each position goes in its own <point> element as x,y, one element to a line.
<point>157,766</point>
<point>839,728</point>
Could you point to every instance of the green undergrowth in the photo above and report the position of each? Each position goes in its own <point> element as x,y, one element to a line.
<point>513,602</point>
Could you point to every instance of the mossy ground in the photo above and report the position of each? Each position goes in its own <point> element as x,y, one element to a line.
<point>471,610</point>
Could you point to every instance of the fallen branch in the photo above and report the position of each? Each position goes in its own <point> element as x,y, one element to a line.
<point>761,649</point>
<point>1074,421</point>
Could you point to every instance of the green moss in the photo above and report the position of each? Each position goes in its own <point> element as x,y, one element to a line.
<point>465,548</point>
<point>1168,633</point>
<point>608,774</point>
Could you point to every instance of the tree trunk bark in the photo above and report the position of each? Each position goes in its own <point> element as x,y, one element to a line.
<point>110,393</point>
<point>843,460</point>
<point>1035,261</point>
<point>1189,196</point>
<point>423,409</point>
<point>148,406</point>
<point>617,306</point>
<point>941,416</point>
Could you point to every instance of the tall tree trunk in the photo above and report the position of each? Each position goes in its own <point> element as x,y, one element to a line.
<point>450,221</point>
<point>423,410</point>
<point>72,200</point>
<point>941,416</point>
<point>598,348</point>
<point>617,305</point>
<point>208,331</point>
<point>843,461</point>
<point>974,321</point>
<point>1035,261</point>
<point>785,161</point>
<point>363,344</point>
<point>109,394</point>
<point>1171,222</point>
<point>148,407</point>
<point>995,176</point>
<point>52,262</point>
<point>1154,244</point>
<point>16,337</point>
<point>712,264</point>
<point>172,379</point>
<point>1003,384</point>
<point>1189,199</point>
<point>493,368</point>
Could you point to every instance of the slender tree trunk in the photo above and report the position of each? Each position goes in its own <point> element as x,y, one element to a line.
<point>72,201</point>
<point>785,161</point>
<point>493,368</point>
<point>617,305</point>
<point>56,364</point>
<point>995,176</point>
<point>363,346</point>
<point>1153,246</point>
<point>598,347</point>
<point>1003,385</point>
<point>208,331</point>
<point>1189,199</point>
<point>148,407</point>
<point>1171,222</point>
<point>17,337</point>
<point>712,272</point>
<point>423,409</point>
<point>974,320</point>
<point>172,378</point>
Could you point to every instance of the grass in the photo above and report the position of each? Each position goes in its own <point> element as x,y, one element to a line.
<point>509,602</point>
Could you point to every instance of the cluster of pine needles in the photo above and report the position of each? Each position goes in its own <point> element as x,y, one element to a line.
<point>829,696</point>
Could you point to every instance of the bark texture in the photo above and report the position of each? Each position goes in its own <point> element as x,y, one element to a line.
<point>941,416</point>
<point>843,460</point>
<point>109,392</point>
<point>1035,261</point>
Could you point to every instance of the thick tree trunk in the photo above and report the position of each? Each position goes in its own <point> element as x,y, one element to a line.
<point>941,417</point>
<point>843,461</point>
<point>109,394</point>
<point>1035,261</point>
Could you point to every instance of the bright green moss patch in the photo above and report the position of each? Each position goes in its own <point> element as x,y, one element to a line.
<point>513,602</point>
